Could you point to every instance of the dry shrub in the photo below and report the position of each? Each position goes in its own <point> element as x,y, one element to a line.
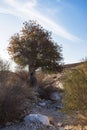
<point>10,104</point>
<point>13,93</point>
<point>40,76</point>
<point>11,97</point>
<point>12,101</point>
<point>75,83</point>
<point>46,87</point>
<point>23,74</point>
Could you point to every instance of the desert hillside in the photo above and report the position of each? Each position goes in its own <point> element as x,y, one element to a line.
<point>19,100</point>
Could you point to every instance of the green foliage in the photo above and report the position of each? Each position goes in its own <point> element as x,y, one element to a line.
<point>4,65</point>
<point>75,83</point>
<point>35,47</point>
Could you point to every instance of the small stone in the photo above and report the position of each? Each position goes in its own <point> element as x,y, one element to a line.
<point>37,118</point>
<point>8,123</point>
<point>55,96</point>
<point>59,124</point>
<point>42,104</point>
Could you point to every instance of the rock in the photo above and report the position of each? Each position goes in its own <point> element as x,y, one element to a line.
<point>42,104</point>
<point>59,124</point>
<point>59,85</point>
<point>45,102</point>
<point>8,123</point>
<point>48,102</point>
<point>60,106</point>
<point>55,96</point>
<point>37,118</point>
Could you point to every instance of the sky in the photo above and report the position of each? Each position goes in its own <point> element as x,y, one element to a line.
<point>66,19</point>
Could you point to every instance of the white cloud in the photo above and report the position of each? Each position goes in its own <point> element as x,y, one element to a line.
<point>31,4</point>
<point>26,4</point>
<point>27,10</point>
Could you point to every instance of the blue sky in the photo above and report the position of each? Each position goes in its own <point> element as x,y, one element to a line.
<point>66,19</point>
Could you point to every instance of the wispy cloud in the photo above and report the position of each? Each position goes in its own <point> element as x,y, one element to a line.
<point>27,10</point>
<point>58,0</point>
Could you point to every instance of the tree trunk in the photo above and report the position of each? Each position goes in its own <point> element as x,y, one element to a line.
<point>32,78</point>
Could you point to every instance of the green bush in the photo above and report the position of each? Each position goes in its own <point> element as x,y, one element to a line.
<point>75,83</point>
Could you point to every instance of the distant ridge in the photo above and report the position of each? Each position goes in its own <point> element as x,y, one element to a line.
<point>72,65</point>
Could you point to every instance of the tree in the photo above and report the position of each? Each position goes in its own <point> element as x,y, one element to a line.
<point>34,47</point>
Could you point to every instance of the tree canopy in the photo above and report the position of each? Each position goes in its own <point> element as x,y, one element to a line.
<point>34,47</point>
